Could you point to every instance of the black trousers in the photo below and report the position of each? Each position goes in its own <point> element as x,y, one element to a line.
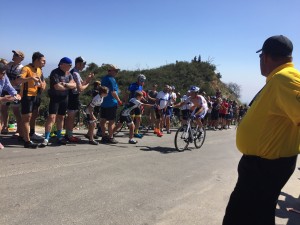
<point>254,198</point>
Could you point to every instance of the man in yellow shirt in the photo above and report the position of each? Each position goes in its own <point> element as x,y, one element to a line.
<point>269,138</point>
<point>30,78</point>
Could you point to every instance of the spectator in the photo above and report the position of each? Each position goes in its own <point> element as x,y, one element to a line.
<point>137,113</point>
<point>110,104</point>
<point>36,107</point>
<point>13,72</point>
<point>73,98</point>
<point>61,82</point>
<point>268,137</point>
<point>6,86</point>
<point>30,78</point>
<point>96,101</point>
<point>152,99</point>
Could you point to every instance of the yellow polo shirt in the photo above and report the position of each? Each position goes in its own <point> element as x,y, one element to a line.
<point>30,71</point>
<point>271,127</point>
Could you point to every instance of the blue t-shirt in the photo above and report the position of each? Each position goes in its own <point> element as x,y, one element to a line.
<point>133,88</point>
<point>109,82</point>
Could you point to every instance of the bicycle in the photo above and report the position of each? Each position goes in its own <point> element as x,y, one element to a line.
<point>188,133</point>
<point>81,117</point>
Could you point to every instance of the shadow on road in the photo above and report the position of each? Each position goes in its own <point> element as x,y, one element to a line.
<point>289,202</point>
<point>163,150</point>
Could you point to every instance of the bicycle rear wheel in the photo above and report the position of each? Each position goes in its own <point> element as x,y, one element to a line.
<point>181,140</point>
<point>200,137</point>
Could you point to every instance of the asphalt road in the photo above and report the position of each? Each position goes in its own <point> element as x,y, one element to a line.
<point>145,184</point>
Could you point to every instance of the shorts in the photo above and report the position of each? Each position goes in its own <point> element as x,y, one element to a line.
<point>229,116</point>
<point>58,105</point>
<point>126,119</point>
<point>109,113</point>
<point>169,111</point>
<point>202,114</point>
<point>73,102</point>
<point>28,104</point>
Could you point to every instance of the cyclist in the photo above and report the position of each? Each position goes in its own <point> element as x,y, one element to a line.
<point>73,98</point>
<point>199,102</point>
<point>97,100</point>
<point>133,104</point>
<point>137,114</point>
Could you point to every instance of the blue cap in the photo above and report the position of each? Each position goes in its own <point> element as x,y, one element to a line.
<point>65,60</point>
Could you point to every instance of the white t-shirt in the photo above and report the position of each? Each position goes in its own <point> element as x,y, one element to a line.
<point>172,98</point>
<point>163,99</point>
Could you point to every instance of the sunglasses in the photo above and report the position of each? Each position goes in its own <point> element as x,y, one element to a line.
<point>16,55</point>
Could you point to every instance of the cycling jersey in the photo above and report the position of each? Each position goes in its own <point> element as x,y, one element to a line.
<point>96,101</point>
<point>187,105</point>
<point>29,88</point>
<point>57,76</point>
<point>172,98</point>
<point>131,105</point>
<point>77,79</point>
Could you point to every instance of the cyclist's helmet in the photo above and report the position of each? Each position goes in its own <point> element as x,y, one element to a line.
<point>141,78</point>
<point>194,89</point>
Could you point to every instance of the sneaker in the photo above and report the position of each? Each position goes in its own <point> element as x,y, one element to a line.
<point>112,141</point>
<point>72,139</point>
<point>30,144</point>
<point>93,142</point>
<point>168,132</point>
<point>44,143</point>
<point>36,137</point>
<point>138,135</point>
<point>160,134</point>
<point>62,141</point>
<point>1,146</point>
<point>131,141</point>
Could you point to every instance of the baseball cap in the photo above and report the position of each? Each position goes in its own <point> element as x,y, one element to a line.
<point>19,53</point>
<point>112,67</point>
<point>278,45</point>
<point>2,67</point>
<point>80,60</point>
<point>65,60</point>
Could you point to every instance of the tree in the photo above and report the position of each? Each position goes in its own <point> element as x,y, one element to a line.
<point>235,89</point>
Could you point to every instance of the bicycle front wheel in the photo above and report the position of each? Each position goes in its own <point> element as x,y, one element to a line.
<point>200,137</point>
<point>181,140</point>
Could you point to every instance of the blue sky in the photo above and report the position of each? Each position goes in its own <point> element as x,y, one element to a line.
<point>140,34</point>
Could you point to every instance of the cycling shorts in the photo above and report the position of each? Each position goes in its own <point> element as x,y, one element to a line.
<point>58,105</point>
<point>73,102</point>
<point>28,104</point>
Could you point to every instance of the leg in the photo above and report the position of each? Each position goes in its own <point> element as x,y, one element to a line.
<point>26,127</point>
<point>17,113</point>
<point>259,184</point>
<point>4,113</point>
